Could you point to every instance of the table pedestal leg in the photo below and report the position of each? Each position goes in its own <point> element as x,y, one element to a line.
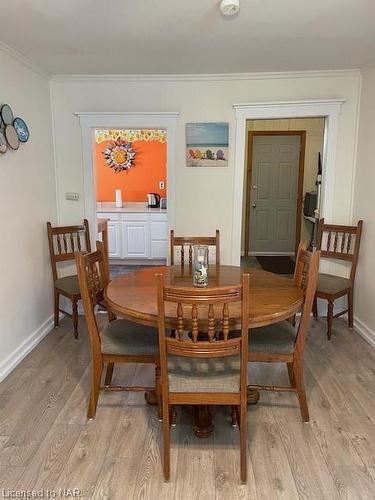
<point>203,426</point>
<point>252,396</point>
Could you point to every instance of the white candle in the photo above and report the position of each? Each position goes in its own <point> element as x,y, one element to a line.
<point>118,198</point>
<point>200,258</point>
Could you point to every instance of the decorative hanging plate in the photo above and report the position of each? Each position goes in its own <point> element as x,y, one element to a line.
<point>6,114</point>
<point>119,155</point>
<point>21,129</point>
<point>12,137</point>
<point>3,143</point>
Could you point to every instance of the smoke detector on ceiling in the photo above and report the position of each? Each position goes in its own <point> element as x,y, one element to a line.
<point>229,7</point>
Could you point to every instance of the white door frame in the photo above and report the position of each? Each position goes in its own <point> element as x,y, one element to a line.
<point>327,108</point>
<point>89,121</point>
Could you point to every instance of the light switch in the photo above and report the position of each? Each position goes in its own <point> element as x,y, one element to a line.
<point>161,185</point>
<point>72,196</point>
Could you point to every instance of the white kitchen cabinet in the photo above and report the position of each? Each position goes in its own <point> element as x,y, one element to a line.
<point>159,236</point>
<point>141,236</point>
<point>136,240</point>
<point>114,240</point>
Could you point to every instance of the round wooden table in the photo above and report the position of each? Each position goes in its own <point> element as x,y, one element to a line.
<point>273,298</point>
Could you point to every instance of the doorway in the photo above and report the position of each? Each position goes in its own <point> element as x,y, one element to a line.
<point>90,121</point>
<point>280,168</point>
<point>274,184</point>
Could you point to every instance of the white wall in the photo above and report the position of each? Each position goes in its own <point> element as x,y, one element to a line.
<point>364,311</point>
<point>203,196</point>
<point>27,200</point>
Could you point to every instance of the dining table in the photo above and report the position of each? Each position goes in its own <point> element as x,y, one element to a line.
<point>272,298</point>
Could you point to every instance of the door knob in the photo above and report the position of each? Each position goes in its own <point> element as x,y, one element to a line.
<point>254,205</point>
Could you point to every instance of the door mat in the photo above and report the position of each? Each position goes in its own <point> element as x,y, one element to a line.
<point>279,264</point>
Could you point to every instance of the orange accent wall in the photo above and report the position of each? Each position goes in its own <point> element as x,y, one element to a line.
<point>142,178</point>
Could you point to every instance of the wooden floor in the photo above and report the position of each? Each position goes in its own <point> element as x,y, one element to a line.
<point>47,443</point>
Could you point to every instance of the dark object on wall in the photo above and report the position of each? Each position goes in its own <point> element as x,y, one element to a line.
<point>6,114</point>
<point>3,143</point>
<point>12,137</point>
<point>21,129</point>
<point>309,205</point>
<point>163,203</point>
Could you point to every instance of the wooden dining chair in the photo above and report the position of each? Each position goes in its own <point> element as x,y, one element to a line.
<point>340,243</point>
<point>63,242</point>
<point>121,341</point>
<point>189,241</point>
<point>203,372</point>
<point>281,342</point>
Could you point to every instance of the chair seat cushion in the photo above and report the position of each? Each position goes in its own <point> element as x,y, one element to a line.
<point>204,374</point>
<point>276,338</point>
<point>124,337</point>
<point>327,283</point>
<point>69,285</point>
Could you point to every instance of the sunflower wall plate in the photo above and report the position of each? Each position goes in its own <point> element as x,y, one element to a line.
<point>119,155</point>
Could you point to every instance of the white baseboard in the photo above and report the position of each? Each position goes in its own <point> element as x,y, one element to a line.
<point>364,331</point>
<point>27,346</point>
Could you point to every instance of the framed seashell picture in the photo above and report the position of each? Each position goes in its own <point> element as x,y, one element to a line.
<point>207,144</point>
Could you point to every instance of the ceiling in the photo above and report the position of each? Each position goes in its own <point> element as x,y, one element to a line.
<point>189,36</point>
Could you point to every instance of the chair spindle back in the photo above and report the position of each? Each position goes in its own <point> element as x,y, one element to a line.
<point>203,310</point>
<point>65,241</point>
<point>189,242</point>
<point>340,242</point>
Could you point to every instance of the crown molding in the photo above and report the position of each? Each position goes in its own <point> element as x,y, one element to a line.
<point>61,78</point>
<point>172,114</point>
<point>288,104</point>
<point>14,54</point>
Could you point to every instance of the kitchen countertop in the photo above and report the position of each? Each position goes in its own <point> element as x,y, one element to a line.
<point>131,206</point>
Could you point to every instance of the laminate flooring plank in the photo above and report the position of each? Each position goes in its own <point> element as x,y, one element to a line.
<point>361,431</point>
<point>50,458</point>
<point>272,472</point>
<point>362,386</point>
<point>355,483</point>
<point>195,474</point>
<point>43,410</point>
<point>88,456</point>
<point>119,472</point>
<point>9,477</point>
<point>31,383</point>
<point>227,460</point>
<point>310,472</point>
<point>340,396</point>
<point>149,481</point>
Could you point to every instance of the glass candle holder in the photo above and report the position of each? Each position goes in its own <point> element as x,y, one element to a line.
<point>200,276</point>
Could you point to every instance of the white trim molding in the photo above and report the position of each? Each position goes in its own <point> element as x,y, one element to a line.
<point>25,348</point>
<point>89,121</point>
<point>204,77</point>
<point>364,331</point>
<point>328,108</point>
<point>14,54</point>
